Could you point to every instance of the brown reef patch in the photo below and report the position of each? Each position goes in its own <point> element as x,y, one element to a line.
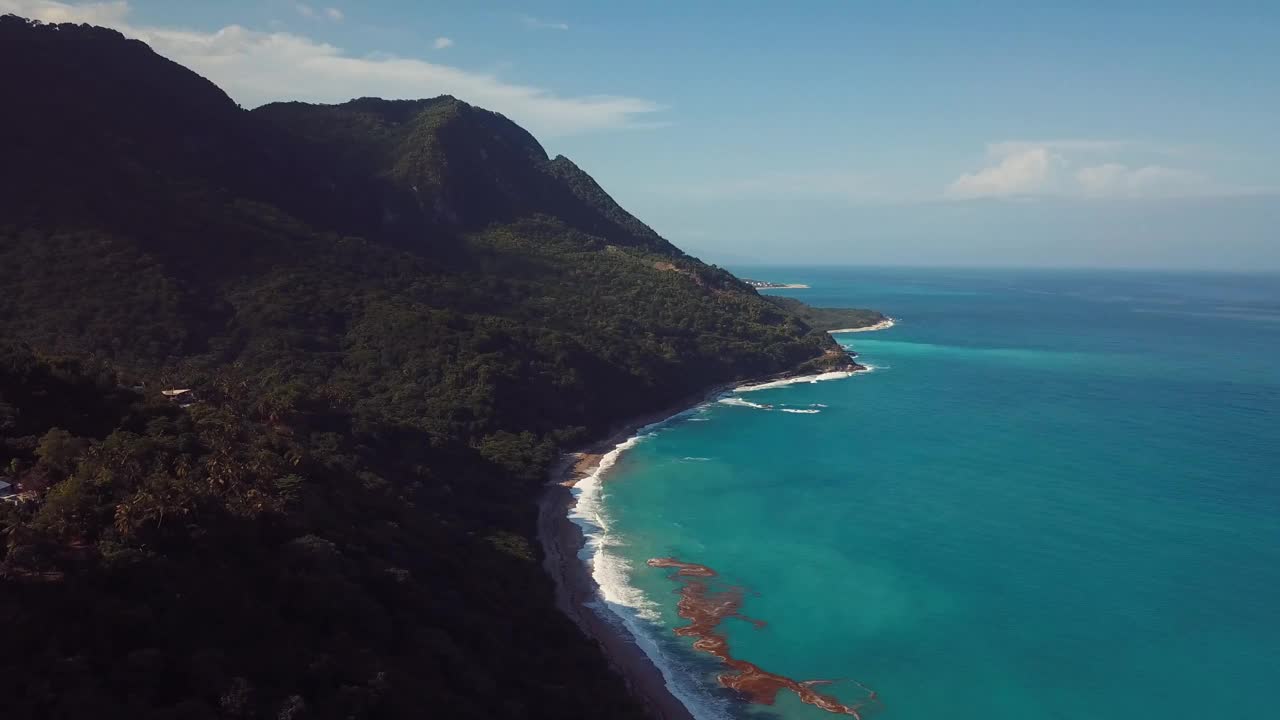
<point>705,608</point>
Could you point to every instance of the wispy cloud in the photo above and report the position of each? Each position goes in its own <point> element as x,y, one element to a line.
<point>1118,180</point>
<point>442,43</point>
<point>329,13</point>
<point>1018,172</point>
<point>255,67</point>
<point>1067,169</point>
<point>96,13</point>
<point>534,23</point>
<point>1090,169</point>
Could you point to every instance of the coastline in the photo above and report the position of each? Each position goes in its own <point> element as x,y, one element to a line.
<point>562,540</point>
<point>789,286</point>
<point>576,588</point>
<point>882,325</point>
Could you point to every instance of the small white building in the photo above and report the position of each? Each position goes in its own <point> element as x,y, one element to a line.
<point>184,397</point>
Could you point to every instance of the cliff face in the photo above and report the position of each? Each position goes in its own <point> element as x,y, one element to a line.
<point>393,313</point>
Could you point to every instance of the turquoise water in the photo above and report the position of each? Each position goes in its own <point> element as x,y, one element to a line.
<point>1056,496</point>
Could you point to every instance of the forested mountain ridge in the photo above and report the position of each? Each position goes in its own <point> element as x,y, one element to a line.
<point>393,314</point>
<point>821,318</point>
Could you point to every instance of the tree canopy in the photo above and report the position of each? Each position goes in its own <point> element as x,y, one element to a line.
<point>393,314</point>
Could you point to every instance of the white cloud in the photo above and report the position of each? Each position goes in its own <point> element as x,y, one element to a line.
<point>306,11</point>
<point>1115,179</point>
<point>441,43</point>
<point>1101,178</point>
<point>256,67</point>
<point>1087,169</point>
<point>534,23</point>
<point>96,13</point>
<point>1021,171</point>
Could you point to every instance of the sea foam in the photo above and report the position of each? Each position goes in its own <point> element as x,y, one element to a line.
<point>609,571</point>
<point>625,606</point>
<point>621,604</point>
<point>820,377</point>
<point>739,402</point>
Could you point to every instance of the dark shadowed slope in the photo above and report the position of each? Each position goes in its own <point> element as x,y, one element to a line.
<point>393,316</point>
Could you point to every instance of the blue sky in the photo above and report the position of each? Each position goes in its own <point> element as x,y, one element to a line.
<point>1105,134</point>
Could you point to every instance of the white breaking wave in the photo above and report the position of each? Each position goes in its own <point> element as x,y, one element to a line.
<point>820,377</point>
<point>610,572</point>
<point>621,604</point>
<point>739,402</point>
<point>678,678</point>
<point>627,607</point>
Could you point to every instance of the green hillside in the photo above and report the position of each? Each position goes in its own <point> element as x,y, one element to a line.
<point>393,314</point>
<point>820,318</point>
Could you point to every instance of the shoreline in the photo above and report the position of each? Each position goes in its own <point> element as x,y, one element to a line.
<point>562,539</point>
<point>576,588</point>
<point>884,324</point>
<point>788,286</point>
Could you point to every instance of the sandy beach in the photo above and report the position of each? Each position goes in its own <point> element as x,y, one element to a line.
<point>562,539</point>
<point>882,325</point>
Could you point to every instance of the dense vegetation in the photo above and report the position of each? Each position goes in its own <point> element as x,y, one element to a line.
<point>820,318</point>
<point>393,315</point>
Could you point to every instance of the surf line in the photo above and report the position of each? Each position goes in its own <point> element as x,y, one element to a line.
<point>705,608</point>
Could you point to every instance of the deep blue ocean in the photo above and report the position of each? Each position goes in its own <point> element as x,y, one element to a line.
<point>1057,495</point>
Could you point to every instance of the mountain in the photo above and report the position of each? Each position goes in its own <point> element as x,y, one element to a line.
<point>391,317</point>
